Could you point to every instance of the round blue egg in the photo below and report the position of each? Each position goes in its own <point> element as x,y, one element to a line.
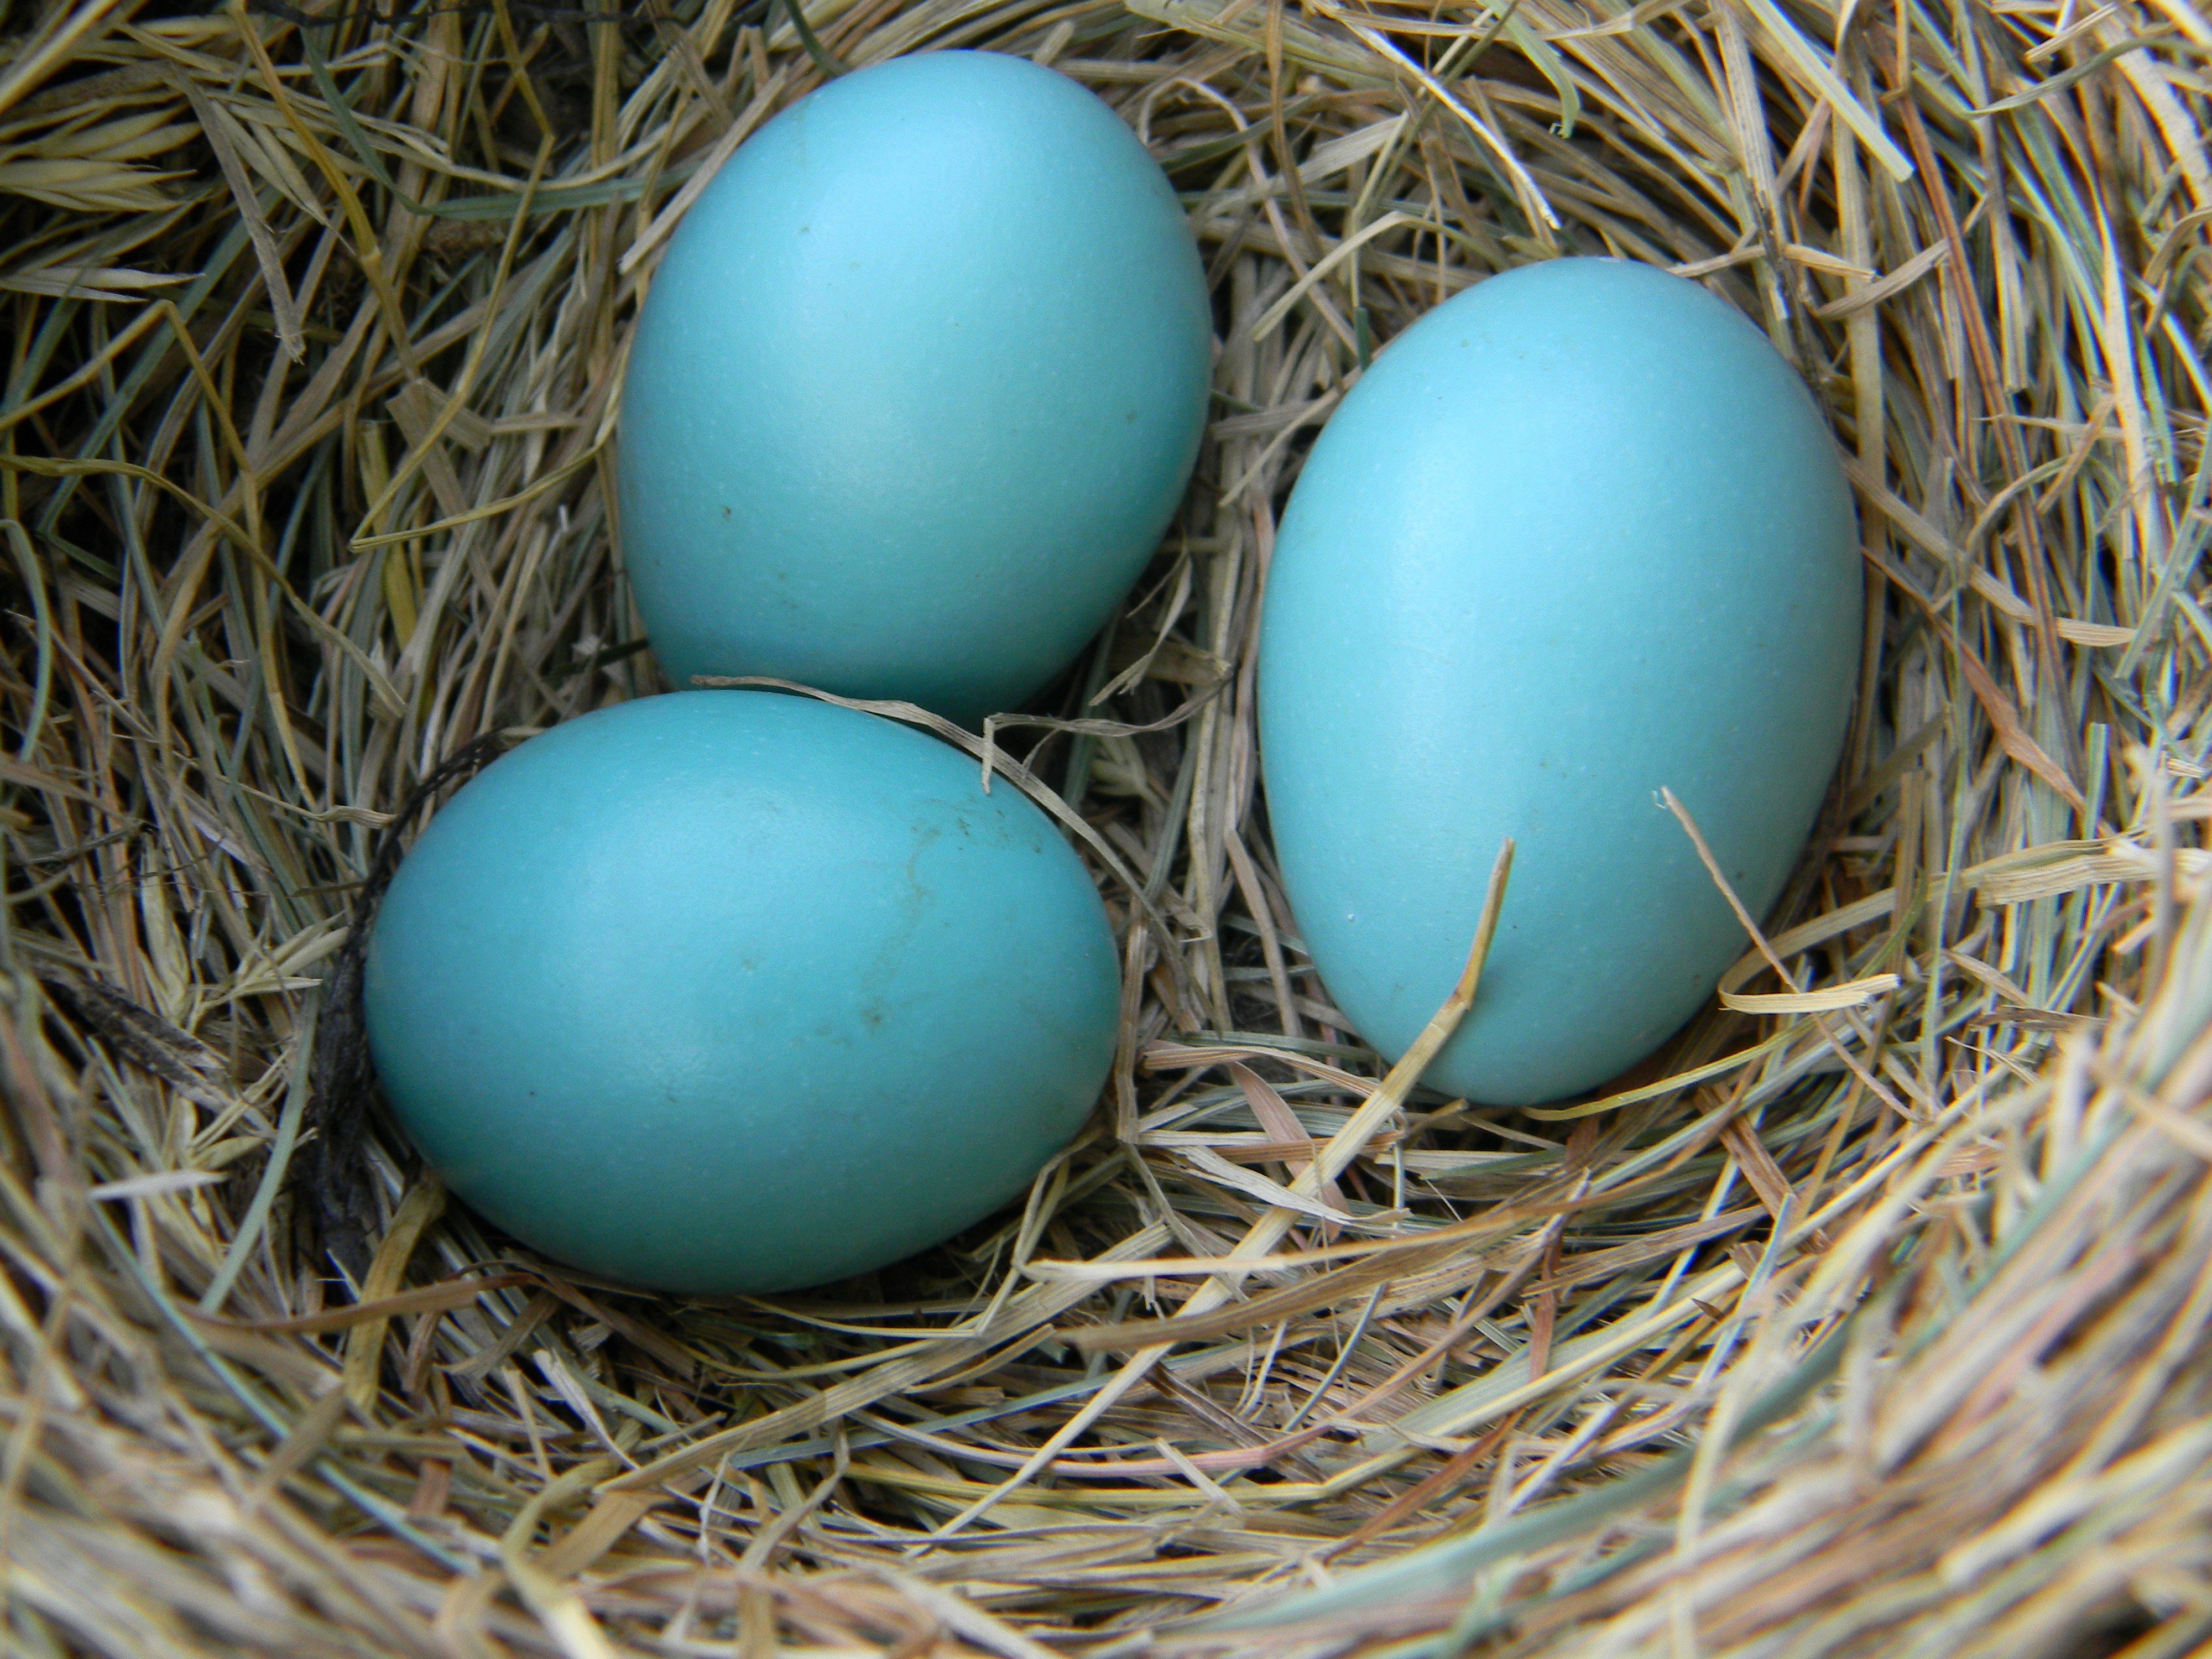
<point>733,991</point>
<point>915,390</point>
<point>1578,535</point>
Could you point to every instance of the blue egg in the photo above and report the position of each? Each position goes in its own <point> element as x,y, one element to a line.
<point>1578,535</point>
<point>915,390</point>
<point>732,991</point>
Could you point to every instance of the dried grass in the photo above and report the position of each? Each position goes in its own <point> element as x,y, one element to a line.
<point>1869,1323</point>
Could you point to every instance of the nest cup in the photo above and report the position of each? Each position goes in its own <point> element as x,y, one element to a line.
<point>1867,1317</point>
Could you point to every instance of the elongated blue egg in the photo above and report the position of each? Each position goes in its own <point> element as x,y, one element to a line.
<point>733,991</point>
<point>1578,535</point>
<point>915,390</point>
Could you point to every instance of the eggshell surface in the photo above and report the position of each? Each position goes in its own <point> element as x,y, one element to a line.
<point>915,390</point>
<point>1578,534</point>
<point>732,991</point>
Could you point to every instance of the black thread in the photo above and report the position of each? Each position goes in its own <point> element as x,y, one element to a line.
<point>332,1171</point>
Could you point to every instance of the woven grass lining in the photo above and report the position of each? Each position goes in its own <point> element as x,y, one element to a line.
<point>1874,1328</point>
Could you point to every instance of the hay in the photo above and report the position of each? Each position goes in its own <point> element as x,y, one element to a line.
<point>1876,1329</point>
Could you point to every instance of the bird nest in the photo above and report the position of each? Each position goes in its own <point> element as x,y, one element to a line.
<point>1868,1317</point>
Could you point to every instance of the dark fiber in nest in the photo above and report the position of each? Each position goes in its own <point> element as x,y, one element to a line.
<point>334,1179</point>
